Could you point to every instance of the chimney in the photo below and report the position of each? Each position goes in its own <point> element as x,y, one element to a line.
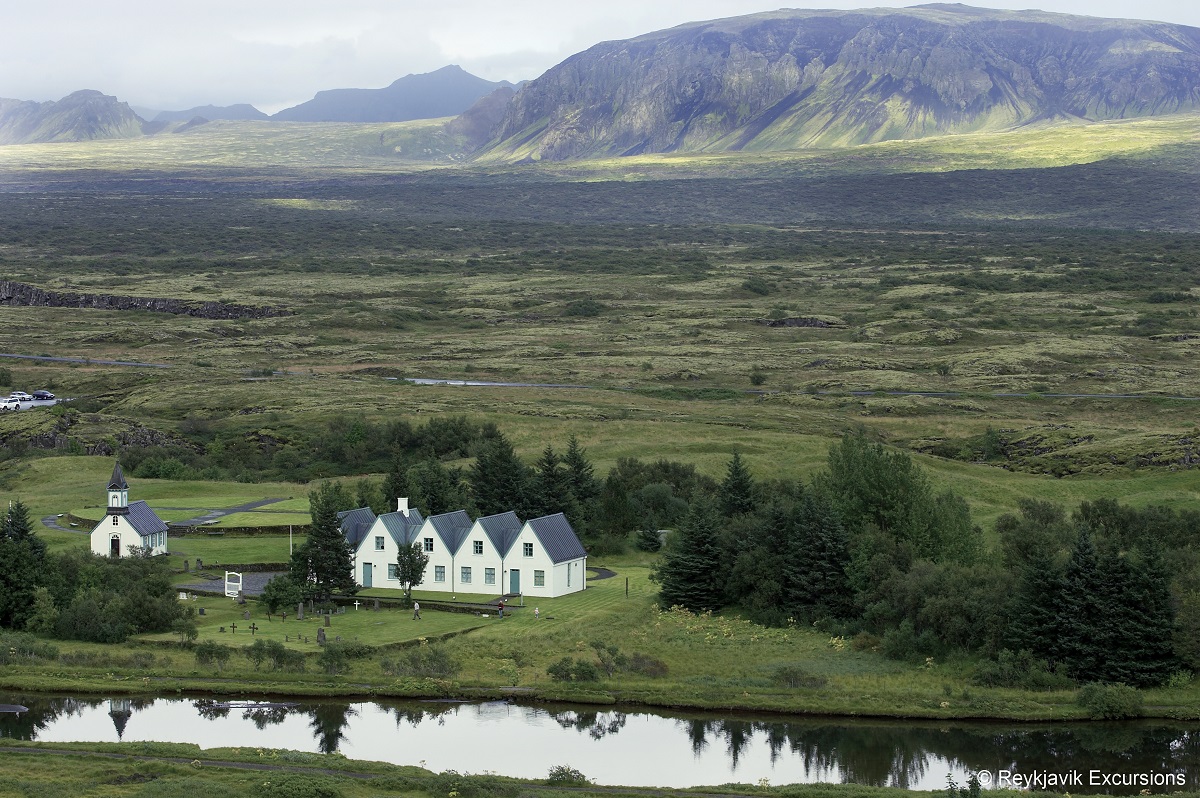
<point>402,505</point>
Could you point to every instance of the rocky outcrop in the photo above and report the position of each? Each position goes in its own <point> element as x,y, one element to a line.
<point>22,295</point>
<point>804,78</point>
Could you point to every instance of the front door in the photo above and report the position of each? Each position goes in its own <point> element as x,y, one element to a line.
<point>114,547</point>
<point>366,574</point>
<point>514,581</point>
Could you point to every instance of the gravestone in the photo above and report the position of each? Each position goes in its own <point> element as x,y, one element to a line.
<point>246,615</point>
<point>199,563</point>
<point>241,598</point>
<point>320,636</point>
<point>327,620</point>
<point>376,605</point>
<point>201,611</point>
<point>300,611</point>
<point>185,566</point>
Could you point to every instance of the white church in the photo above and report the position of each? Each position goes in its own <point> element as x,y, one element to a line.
<point>127,526</point>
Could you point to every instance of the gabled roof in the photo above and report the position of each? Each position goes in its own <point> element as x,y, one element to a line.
<point>452,528</point>
<point>143,519</point>
<point>355,524</point>
<point>557,537</point>
<point>117,480</point>
<point>403,526</point>
<point>502,529</point>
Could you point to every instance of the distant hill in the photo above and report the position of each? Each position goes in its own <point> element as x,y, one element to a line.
<point>81,116</point>
<point>241,112</point>
<point>446,92</point>
<point>798,78</point>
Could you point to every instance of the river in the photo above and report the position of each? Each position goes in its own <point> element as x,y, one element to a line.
<point>639,747</point>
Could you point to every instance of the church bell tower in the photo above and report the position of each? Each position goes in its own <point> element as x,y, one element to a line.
<point>118,493</point>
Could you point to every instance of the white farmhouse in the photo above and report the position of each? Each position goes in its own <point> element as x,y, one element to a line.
<point>376,541</point>
<point>496,554</point>
<point>126,527</point>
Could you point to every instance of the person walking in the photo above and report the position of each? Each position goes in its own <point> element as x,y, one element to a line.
<point>416,610</point>
<point>537,613</point>
<point>501,613</point>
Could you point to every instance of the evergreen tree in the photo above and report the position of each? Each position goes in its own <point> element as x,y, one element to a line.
<point>1034,610</point>
<point>736,494</point>
<point>435,489</point>
<point>22,565</point>
<point>324,563</point>
<point>690,573</point>
<point>1143,620</point>
<point>410,567</point>
<point>499,480</point>
<point>580,474</point>
<point>648,538</point>
<point>1084,623</point>
<point>818,558</point>
<point>551,488</point>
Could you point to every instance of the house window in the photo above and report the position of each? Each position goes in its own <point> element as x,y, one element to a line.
<point>392,570</point>
<point>528,549</point>
<point>539,578</point>
<point>479,547</point>
<point>465,575</point>
<point>439,573</point>
<point>379,543</point>
<point>428,544</point>
<point>489,576</point>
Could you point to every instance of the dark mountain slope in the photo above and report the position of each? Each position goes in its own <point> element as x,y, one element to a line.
<point>81,116</point>
<point>237,113</point>
<point>799,78</point>
<point>445,92</point>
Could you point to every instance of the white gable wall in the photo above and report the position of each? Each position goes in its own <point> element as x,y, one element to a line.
<point>555,577</point>
<point>378,559</point>
<point>128,537</point>
<point>440,556</point>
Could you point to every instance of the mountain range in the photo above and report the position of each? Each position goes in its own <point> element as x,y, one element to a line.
<point>779,80</point>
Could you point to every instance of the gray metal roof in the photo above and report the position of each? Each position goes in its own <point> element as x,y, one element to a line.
<point>557,537</point>
<point>355,524</point>
<point>452,528</point>
<point>403,527</point>
<point>502,529</point>
<point>143,519</point>
<point>117,480</point>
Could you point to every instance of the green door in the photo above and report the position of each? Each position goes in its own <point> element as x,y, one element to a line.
<point>514,581</point>
<point>366,574</point>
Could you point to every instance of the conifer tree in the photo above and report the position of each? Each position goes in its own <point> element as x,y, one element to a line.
<point>499,480</point>
<point>551,488</point>
<point>22,565</point>
<point>690,573</point>
<point>737,490</point>
<point>818,556</point>
<point>1084,623</point>
<point>324,563</point>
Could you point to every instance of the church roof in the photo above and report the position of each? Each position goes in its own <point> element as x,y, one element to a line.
<point>117,481</point>
<point>502,529</point>
<point>143,519</point>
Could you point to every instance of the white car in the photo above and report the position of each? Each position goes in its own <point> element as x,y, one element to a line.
<point>20,396</point>
<point>8,403</point>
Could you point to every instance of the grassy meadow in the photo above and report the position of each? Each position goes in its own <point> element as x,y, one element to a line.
<point>1040,286</point>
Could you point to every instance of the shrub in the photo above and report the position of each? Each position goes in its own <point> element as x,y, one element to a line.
<point>570,670</point>
<point>566,776</point>
<point>1021,670</point>
<point>287,786</point>
<point>561,671</point>
<point>584,307</point>
<point>757,285</point>
<point>213,653</point>
<point>23,647</point>
<point>430,662</point>
<point>795,677</point>
<point>646,665</point>
<point>1110,701</point>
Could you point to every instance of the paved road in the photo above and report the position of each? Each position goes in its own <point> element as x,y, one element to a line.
<point>213,515</point>
<point>252,584</point>
<point>930,394</point>
<point>51,521</point>
<point>47,358</point>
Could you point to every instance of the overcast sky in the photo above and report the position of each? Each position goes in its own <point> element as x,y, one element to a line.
<point>169,55</point>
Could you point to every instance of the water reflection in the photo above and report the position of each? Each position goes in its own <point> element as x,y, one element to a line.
<point>651,749</point>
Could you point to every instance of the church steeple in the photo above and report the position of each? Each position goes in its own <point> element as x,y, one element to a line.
<point>118,493</point>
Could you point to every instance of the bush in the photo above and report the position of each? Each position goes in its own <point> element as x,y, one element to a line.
<point>22,647</point>
<point>584,307</point>
<point>566,776</point>
<point>429,662</point>
<point>757,285</point>
<point>1110,701</point>
<point>213,653</point>
<point>646,665</point>
<point>1021,670</point>
<point>570,670</point>
<point>286,786</point>
<point>280,657</point>
<point>795,677</point>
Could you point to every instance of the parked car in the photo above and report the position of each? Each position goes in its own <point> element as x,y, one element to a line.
<point>42,396</point>
<point>8,403</point>
<point>20,396</point>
